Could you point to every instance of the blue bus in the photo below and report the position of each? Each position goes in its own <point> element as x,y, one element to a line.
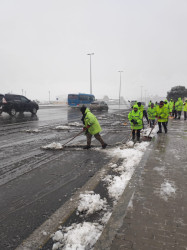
<point>78,100</point>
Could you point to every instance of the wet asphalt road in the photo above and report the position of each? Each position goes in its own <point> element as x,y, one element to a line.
<point>34,182</point>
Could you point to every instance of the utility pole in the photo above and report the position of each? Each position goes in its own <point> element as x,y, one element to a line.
<point>49,97</point>
<point>120,71</point>
<point>90,54</point>
<point>141,92</point>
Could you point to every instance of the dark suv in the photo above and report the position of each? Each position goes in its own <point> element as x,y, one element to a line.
<point>12,104</point>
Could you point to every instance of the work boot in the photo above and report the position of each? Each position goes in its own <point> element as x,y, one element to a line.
<point>104,145</point>
<point>86,147</point>
<point>159,132</point>
<point>138,139</point>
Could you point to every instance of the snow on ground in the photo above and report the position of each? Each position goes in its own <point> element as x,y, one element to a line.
<point>62,127</point>
<point>160,170</point>
<point>90,203</point>
<point>78,236</point>
<point>167,190</point>
<point>84,235</point>
<point>53,145</point>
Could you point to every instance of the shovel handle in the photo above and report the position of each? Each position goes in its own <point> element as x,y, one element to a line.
<point>153,127</point>
<point>73,138</point>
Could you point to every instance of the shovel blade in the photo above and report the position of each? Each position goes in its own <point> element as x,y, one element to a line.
<point>146,138</point>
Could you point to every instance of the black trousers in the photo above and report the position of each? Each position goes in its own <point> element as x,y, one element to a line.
<point>174,113</point>
<point>137,131</point>
<point>185,115</point>
<point>179,114</point>
<point>160,124</point>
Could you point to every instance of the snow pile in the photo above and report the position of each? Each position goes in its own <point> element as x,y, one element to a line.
<point>167,190</point>
<point>32,130</point>
<point>76,124</point>
<point>53,145</point>
<point>62,127</point>
<point>147,131</point>
<point>130,144</point>
<point>78,236</point>
<point>91,202</point>
<point>131,156</point>
<point>116,123</point>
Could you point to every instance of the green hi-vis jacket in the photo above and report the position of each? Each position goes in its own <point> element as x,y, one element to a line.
<point>179,104</point>
<point>185,107</point>
<point>171,103</point>
<point>141,108</point>
<point>91,120</point>
<point>163,113</point>
<point>151,113</point>
<point>137,116</point>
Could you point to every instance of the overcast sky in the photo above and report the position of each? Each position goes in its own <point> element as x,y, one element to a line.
<point>44,46</point>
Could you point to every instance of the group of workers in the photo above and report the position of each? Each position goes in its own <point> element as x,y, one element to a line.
<point>156,113</point>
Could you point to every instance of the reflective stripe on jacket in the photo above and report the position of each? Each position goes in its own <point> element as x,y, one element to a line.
<point>179,105</point>
<point>137,116</point>
<point>163,113</point>
<point>151,113</point>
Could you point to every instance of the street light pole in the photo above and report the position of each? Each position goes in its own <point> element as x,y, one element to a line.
<point>120,71</point>
<point>49,96</point>
<point>141,92</point>
<point>90,54</point>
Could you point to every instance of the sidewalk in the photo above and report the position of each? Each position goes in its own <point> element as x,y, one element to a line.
<point>156,217</point>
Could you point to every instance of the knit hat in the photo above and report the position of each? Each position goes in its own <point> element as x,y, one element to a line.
<point>83,109</point>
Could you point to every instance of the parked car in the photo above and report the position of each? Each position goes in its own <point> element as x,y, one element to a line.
<point>12,104</point>
<point>98,105</point>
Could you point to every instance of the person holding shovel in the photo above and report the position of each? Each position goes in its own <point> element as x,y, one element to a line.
<point>135,117</point>
<point>91,127</point>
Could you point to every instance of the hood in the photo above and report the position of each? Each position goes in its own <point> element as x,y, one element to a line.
<point>135,106</point>
<point>179,99</point>
<point>87,110</point>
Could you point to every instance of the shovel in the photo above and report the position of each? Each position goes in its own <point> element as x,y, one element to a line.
<point>148,137</point>
<point>72,138</point>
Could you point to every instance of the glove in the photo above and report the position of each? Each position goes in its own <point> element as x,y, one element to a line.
<point>132,120</point>
<point>135,122</point>
<point>84,129</point>
<point>88,126</point>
